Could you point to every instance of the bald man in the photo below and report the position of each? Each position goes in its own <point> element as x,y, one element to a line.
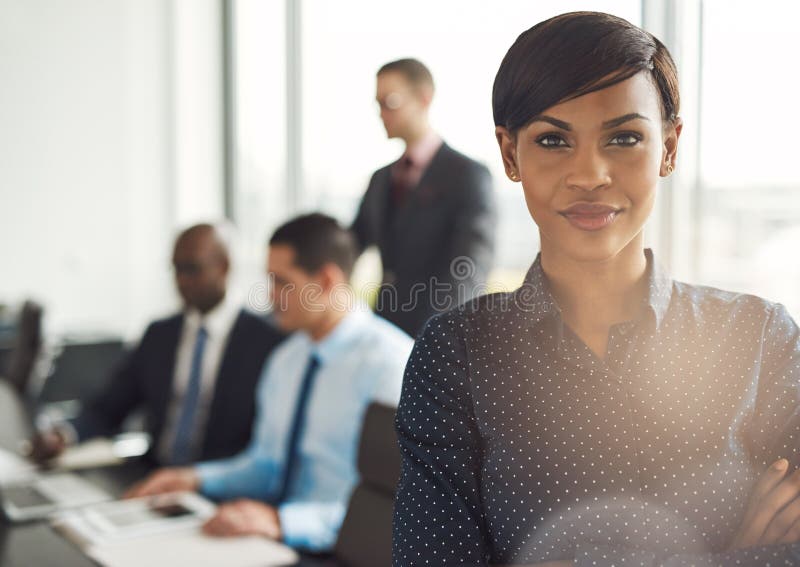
<point>193,374</point>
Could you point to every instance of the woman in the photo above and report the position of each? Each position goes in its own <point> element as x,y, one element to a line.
<point>602,414</point>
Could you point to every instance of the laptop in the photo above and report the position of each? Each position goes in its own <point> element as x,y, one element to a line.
<point>30,495</point>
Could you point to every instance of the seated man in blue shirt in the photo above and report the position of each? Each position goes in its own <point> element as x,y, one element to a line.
<point>293,481</point>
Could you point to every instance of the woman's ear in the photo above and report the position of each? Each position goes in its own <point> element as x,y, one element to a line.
<point>508,151</point>
<point>669,159</point>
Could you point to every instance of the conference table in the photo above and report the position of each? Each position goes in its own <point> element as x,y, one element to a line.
<point>35,544</point>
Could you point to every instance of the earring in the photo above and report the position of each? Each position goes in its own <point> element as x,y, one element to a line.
<point>513,175</point>
<point>670,169</point>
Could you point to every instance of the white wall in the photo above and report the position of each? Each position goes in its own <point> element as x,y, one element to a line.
<point>101,158</point>
<point>197,104</point>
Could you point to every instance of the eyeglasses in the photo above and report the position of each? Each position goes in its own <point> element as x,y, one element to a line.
<point>391,101</point>
<point>189,268</point>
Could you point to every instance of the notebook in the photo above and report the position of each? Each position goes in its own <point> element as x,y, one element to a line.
<point>163,530</point>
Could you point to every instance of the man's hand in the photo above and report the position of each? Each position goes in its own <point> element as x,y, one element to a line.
<point>46,445</point>
<point>245,517</point>
<point>773,512</point>
<point>165,480</point>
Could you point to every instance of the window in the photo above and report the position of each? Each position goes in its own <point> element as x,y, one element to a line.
<point>342,46</point>
<point>748,196</point>
<point>259,125</point>
<point>463,42</point>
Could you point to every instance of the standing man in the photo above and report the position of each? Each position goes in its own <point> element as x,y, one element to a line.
<point>193,375</point>
<point>293,481</point>
<point>431,213</point>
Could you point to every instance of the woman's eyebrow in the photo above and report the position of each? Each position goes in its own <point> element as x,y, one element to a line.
<point>614,122</point>
<point>554,121</point>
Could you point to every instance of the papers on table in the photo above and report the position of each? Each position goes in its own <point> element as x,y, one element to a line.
<point>103,452</point>
<point>191,547</point>
<point>91,454</point>
<point>163,530</point>
<point>94,453</point>
<point>127,519</point>
<point>14,468</point>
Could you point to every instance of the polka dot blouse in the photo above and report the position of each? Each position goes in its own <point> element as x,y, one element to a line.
<point>521,446</point>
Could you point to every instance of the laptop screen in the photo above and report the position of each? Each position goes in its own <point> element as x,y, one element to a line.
<point>25,497</point>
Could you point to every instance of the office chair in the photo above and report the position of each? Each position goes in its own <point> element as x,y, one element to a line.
<point>365,538</point>
<point>27,347</point>
<point>81,368</point>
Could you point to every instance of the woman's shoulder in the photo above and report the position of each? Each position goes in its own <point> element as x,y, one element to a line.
<point>713,301</point>
<point>703,309</point>
<point>507,311</point>
<point>484,313</point>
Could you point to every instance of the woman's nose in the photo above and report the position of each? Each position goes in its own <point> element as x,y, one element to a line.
<point>589,171</point>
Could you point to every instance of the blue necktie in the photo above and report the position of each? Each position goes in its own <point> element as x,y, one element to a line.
<point>182,445</point>
<point>297,428</point>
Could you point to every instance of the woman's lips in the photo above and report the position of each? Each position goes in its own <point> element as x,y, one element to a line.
<point>590,216</point>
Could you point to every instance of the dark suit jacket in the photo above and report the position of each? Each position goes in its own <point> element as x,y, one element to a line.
<point>144,381</point>
<point>450,216</point>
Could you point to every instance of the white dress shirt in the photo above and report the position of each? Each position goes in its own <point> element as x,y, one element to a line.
<point>218,324</point>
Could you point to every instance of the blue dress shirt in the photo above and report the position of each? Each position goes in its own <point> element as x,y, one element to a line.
<point>362,360</point>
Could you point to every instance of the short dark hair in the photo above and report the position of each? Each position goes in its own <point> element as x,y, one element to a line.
<point>572,55</point>
<point>317,239</point>
<point>412,69</point>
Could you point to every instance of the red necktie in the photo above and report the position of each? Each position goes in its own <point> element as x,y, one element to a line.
<point>401,181</point>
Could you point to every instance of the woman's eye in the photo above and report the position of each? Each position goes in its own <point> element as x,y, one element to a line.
<point>551,141</point>
<point>628,139</point>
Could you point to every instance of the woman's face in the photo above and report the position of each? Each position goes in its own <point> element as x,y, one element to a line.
<point>589,168</point>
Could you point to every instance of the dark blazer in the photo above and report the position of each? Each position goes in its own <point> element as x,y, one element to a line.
<point>144,381</point>
<point>448,217</point>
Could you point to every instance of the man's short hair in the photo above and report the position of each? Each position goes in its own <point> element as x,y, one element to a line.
<point>412,69</point>
<point>317,239</point>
